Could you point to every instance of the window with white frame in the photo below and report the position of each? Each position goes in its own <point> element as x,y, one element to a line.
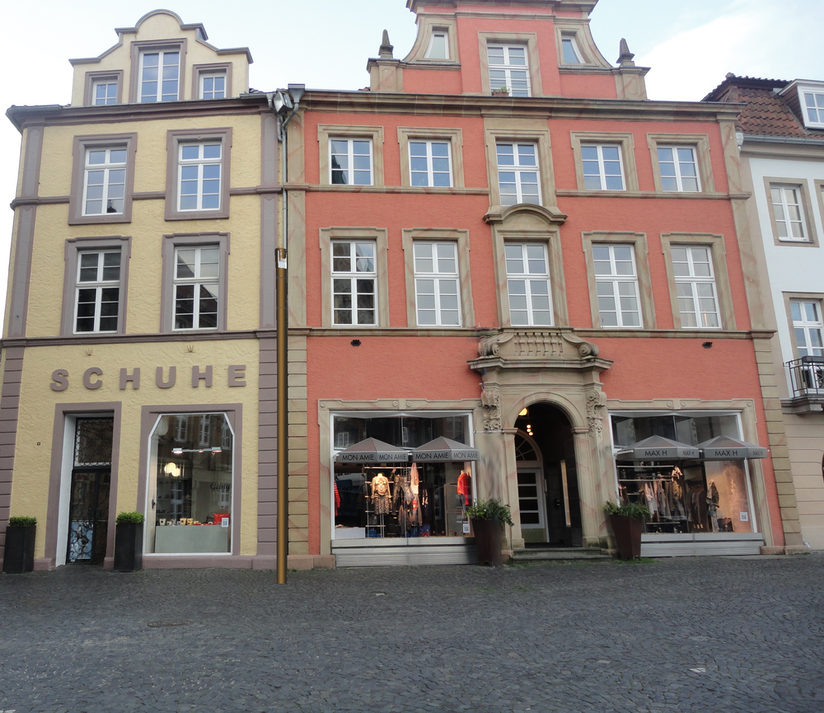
<point>104,91</point>
<point>616,284</point>
<point>354,282</point>
<point>350,161</point>
<point>678,168</point>
<point>508,69</point>
<point>438,45</point>
<point>807,327</point>
<point>518,174</point>
<point>159,75</point>
<point>788,212</point>
<point>97,291</point>
<point>569,50</point>
<point>212,85</point>
<point>430,163</point>
<point>602,167</point>
<point>813,102</point>
<point>196,286</point>
<point>199,175</point>
<point>437,294</point>
<point>104,184</point>
<point>695,286</point>
<point>527,284</point>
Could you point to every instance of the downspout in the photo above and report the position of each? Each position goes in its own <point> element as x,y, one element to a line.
<point>284,105</point>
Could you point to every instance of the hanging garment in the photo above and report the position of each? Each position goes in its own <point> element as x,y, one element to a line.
<point>414,482</point>
<point>381,495</point>
<point>465,487</point>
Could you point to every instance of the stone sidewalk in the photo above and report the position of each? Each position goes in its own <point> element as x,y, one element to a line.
<point>726,635</point>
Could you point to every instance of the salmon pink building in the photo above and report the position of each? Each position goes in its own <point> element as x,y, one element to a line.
<point>513,276</point>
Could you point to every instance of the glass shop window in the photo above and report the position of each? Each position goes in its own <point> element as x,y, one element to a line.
<point>684,495</point>
<point>401,499</point>
<point>190,488</point>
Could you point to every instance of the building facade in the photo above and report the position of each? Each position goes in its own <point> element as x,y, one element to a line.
<point>509,269</point>
<point>510,274</point>
<point>138,355</point>
<point>781,135</point>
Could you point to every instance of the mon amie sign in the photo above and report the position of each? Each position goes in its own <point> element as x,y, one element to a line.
<point>93,378</point>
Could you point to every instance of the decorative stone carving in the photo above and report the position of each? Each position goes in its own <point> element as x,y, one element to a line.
<point>596,403</point>
<point>490,345</point>
<point>491,404</point>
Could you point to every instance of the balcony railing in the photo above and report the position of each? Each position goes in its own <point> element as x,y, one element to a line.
<point>806,376</point>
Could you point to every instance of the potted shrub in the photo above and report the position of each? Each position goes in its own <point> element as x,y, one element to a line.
<point>626,521</point>
<point>18,555</point>
<point>128,541</point>
<point>488,518</point>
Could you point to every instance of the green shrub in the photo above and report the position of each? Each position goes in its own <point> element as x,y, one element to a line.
<point>631,510</point>
<point>130,518</point>
<point>490,510</point>
<point>22,521</point>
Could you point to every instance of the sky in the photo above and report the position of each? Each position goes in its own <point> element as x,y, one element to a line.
<point>324,44</point>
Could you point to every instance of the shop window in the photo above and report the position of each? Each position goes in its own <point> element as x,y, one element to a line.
<point>191,485</point>
<point>407,497</point>
<point>683,495</point>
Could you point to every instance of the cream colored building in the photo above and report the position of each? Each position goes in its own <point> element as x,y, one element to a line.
<point>138,354</point>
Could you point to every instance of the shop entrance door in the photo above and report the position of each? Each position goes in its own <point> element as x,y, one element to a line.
<point>89,497</point>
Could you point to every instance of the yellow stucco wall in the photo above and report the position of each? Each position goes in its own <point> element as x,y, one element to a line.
<point>148,225</point>
<point>32,461</point>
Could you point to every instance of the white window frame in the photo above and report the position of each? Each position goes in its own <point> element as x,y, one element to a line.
<point>159,95</point>
<point>353,277</point>
<point>519,171</point>
<point>98,285</point>
<point>807,327</point>
<point>812,103</point>
<point>110,171</point>
<point>531,281</point>
<point>433,164</point>
<point>213,75</point>
<point>212,283</point>
<point>201,180</point>
<point>693,282</point>
<point>601,164</point>
<point>783,210</point>
<point>568,41</point>
<point>615,282</point>
<point>111,85</point>
<point>438,47</point>
<point>445,282</point>
<point>511,72</point>
<point>350,171</point>
<point>680,177</point>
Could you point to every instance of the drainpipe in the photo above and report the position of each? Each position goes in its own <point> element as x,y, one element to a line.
<point>284,105</point>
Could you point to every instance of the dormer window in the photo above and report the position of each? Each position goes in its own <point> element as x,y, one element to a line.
<point>159,75</point>
<point>508,69</point>
<point>104,91</point>
<point>438,45</point>
<point>812,103</point>
<point>213,85</point>
<point>570,54</point>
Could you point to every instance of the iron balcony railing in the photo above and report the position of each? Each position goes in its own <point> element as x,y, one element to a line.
<point>807,376</point>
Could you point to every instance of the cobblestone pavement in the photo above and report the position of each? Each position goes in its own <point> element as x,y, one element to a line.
<point>731,635</point>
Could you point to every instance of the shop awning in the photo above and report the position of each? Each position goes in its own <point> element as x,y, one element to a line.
<point>659,448</point>
<point>728,448</point>
<point>371,450</point>
<point>444,450</point>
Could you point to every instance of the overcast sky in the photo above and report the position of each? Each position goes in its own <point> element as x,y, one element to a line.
<point>689,46</point>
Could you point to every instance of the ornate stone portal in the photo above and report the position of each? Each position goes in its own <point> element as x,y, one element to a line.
<point>521,367</point>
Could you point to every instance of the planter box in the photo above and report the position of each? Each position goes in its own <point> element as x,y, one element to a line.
<point>488,539</point>
<point>18,555</point>
<point>128,547</point>
<point>627,532</point>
